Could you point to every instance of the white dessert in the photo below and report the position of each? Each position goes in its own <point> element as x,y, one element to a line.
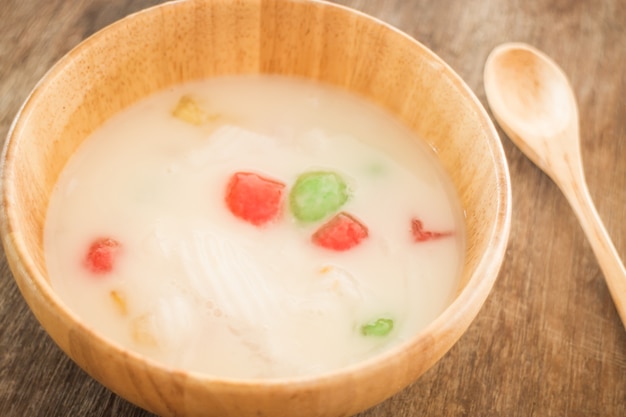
<point>197,288</point>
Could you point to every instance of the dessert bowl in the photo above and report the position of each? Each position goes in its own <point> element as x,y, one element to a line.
<point>190,40</point>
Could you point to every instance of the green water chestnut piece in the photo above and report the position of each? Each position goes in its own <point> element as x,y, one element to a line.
<point>378,327</point>
<point>376,168</point>
<point>317,194</point>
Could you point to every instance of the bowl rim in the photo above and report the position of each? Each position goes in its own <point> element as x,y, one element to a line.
<point>463,308</point>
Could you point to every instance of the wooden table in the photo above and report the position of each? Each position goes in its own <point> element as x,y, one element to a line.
<point>548,341</point>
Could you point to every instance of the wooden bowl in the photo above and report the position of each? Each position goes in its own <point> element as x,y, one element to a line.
<point>184,40</point>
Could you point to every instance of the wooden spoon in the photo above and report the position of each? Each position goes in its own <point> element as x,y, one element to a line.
<point>534,104</point>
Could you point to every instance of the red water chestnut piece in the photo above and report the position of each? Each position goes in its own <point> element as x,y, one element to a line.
<point>421,235</point>
<point>340,233</point>
<point>253,198</point>
<point>101,255</point>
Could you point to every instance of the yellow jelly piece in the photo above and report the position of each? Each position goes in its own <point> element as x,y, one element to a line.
<point>190,111</point>
<point>141,330</point>
<point>119,299</point>
<point>326,269</point>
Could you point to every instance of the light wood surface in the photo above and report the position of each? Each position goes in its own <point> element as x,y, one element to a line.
<point>548,342</point>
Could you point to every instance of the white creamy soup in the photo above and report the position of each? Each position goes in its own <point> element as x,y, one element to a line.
<point>255,227</point>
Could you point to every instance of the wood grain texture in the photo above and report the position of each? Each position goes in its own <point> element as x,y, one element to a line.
<point>548,341</point>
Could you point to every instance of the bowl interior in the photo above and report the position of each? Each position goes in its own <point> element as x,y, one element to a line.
<point>182,41</point>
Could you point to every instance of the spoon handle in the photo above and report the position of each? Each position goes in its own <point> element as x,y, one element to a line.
<point>612,267</point>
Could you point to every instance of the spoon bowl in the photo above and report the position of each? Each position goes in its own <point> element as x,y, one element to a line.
<point>534,103</point>
<point>542,99</point>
